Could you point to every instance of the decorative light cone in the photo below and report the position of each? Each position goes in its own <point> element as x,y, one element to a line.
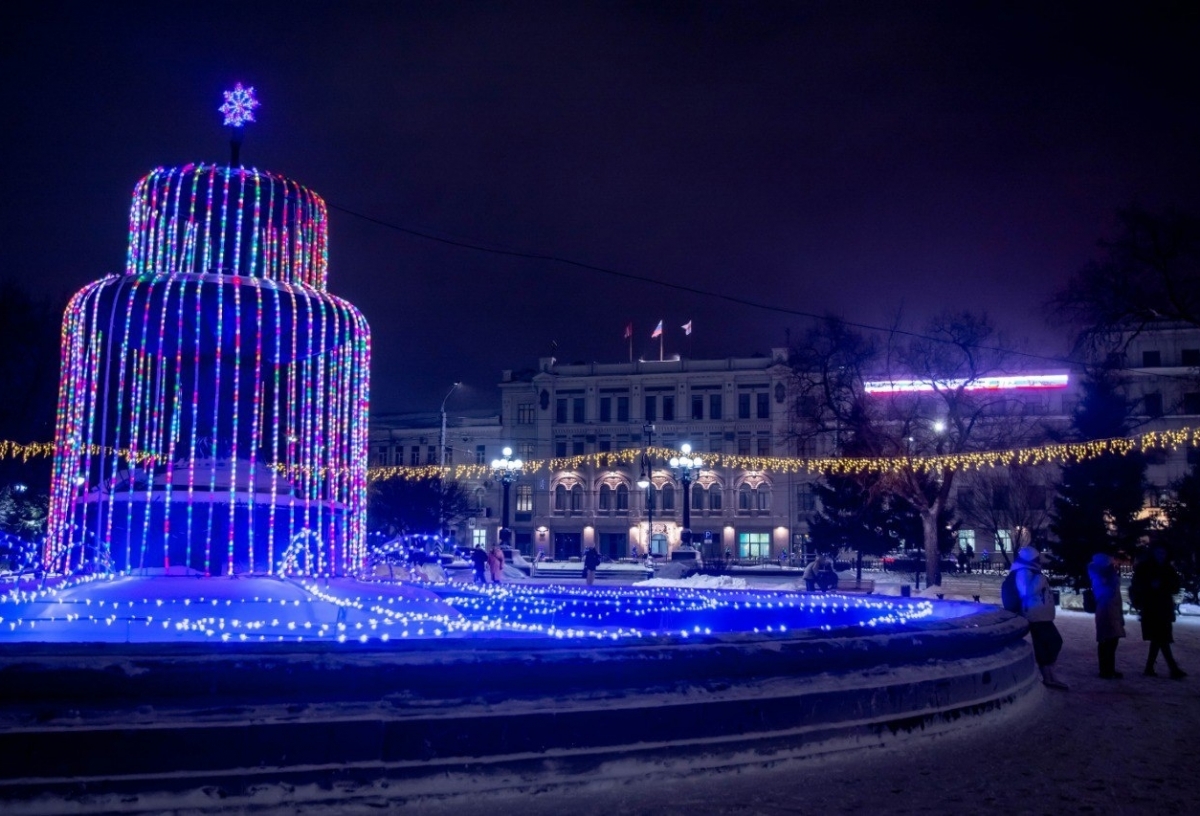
<point>213,402</point>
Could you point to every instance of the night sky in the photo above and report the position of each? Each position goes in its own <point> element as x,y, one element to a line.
<point>877,160</point>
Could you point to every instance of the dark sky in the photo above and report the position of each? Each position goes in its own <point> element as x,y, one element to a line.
<point>871,159</point>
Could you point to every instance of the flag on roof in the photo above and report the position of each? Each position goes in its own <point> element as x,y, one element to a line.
<point>657,330</point>
<point>687,327</point>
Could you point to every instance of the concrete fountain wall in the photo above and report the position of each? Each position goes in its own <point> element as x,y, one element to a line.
<point>501,711</point>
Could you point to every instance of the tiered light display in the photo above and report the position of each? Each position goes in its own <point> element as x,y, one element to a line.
<point>133,609</point>
<point>213,402</point>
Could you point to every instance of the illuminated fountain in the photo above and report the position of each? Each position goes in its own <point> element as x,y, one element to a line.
<point>213,400</point>
<point>213,419</point>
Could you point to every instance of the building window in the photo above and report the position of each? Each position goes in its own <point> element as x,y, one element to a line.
<point>480,498</point>
<point>577,445</point>
<point>560,446</point>
<point>763,404</point>
<point>622,498</point>
<point>716,442</point>
<point>668,498</point>
<point>697,497</point>
<point>1151,359</point>
<point>651,409</point>
<point>525,498</point>
<point>577,498</point>
<point>449,455</point>
<point>560,498</point>
<point>525,413</point>
<point>577,410</point>
<point>714,497</point>
<point>754,545</point>
<point>622,409</point>
<point>604,500</point>
<point>480,455</point>
<point>1193,455</point>
<point>714,406</point>
<point>525,450</point>
<point>806,499</point>
<point>966,538</point>
<point>431,454</point>
<point>763,499</point>
<point>604,443</point>
<point>668,406</point>
<point>743,444</point>
<point>1191,403</point>
<point>745,499</point>
<point>560,409</point>
<point>414,455</point>
<point>697,406</point>
<point>764,444</point>
<point>1154,404</point>
<point>606,409</point>
<point>479,538</point>
<point>743,406</point>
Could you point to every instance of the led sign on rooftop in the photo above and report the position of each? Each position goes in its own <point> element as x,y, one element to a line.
<point>1039,381</point>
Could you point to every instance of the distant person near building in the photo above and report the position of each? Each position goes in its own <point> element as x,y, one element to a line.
<point>479,563</point>
<point>496,562</point>
<point>1037,606</point>
<point>1110,617</point>
<point>591,562</point>
<point>1152,592</point>
<point>820,575</point>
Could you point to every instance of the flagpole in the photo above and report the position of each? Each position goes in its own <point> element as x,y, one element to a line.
<point>660,345</point>
<point>629,334</point>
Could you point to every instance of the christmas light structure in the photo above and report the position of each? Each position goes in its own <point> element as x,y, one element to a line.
<point>213,400</point>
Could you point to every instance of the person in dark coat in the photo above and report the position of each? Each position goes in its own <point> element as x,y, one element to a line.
<point>1110,614</point>
<point>591,560</point>
<point>1152,591</point>
<point>479,563</point>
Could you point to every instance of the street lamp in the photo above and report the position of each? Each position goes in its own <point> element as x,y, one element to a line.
<point>506,470</point>
<point>645,483</point>
<point>685,467</point>
<point>442,446</point>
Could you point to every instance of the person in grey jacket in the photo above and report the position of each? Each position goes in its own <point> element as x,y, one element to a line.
<point>1110,615</point>
<point>1037,605</point>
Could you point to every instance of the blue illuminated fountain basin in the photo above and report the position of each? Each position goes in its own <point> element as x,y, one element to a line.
<point>358,682</point>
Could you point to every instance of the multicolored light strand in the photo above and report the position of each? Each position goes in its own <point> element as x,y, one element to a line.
<point>213,401</point>
<point>239,106</point>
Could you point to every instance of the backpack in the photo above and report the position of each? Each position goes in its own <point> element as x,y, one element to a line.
<point>1010,596</point>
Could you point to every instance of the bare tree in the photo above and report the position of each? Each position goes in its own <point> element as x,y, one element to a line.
<point>934,407</point>
<point>1149,272</point>
<point>1008,501</point>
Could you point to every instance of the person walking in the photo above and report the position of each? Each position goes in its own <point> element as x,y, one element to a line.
<point>1152,592</point>
<point>479,563</point>
<point>1110,615</point>
<point>591,560</point>
<point>1037,606</point>
<point>496,562</point>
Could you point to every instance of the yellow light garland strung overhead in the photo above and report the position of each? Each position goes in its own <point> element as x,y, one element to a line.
<point>1056,454</point>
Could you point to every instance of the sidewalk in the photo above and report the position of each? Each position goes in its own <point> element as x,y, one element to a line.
<point>1104,747</point>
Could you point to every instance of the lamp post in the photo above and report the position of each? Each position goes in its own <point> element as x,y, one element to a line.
<point>506,470</point>
<point>685,467</point>
<point>442,446</point>
<point>646,483</point>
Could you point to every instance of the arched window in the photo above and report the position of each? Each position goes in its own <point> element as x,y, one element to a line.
<point>714,497</point>
<point>697,497</point>
<point>480,498</point>
<point>605,498</point>
<point>560,498</point>
<point>668,498</point>
<point>745,499</point>
<point>763,495</point>
<point>622,498</point>
<point>576,498</point>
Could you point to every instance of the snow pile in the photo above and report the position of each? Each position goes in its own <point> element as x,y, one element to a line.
<point>697,582</point>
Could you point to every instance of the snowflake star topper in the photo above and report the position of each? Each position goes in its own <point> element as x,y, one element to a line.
<point>239,106</point>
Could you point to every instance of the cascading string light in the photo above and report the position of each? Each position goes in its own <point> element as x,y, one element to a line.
<point>214,398</point>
